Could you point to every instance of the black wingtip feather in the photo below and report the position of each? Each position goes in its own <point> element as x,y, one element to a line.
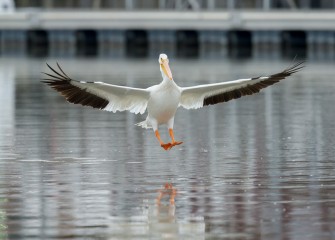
<point>254,87</point>
<point>55,77</point>
<point>57,73</point>
<point>62,71</point>
<point>63,84</point>
<point>295,67</point>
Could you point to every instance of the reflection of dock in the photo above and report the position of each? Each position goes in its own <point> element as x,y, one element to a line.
<point>151,225</point>
<point>118,33</point>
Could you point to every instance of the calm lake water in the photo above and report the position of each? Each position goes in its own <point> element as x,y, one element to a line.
<point>260,167</point>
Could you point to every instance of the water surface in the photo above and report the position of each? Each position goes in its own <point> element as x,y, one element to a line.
<point>258,167</point>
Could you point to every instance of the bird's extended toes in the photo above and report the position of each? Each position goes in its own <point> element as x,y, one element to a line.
<point>166,146</point>
<point>176,143</point>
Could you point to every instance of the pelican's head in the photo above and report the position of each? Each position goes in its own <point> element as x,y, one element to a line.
<point>164,66</point>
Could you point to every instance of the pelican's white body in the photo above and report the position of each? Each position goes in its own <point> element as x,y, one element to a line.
<point>164,99</point>
<point>162,104</point>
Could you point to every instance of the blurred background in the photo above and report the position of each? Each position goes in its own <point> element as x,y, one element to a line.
<point>260,167</point>
<point>183,28</point>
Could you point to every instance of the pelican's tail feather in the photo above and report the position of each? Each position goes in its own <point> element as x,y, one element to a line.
<point>144,124</point>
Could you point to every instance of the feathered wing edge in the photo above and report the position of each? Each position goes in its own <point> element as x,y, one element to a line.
<point>252,88</point>
<point>61,82</point>
<point>99,95</point>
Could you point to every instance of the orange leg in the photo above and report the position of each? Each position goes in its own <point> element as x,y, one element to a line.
<point>168,190</point>
<point>172,193</point>
<point>166,146</point>
<point>159,197</point>
<point>174,142</point>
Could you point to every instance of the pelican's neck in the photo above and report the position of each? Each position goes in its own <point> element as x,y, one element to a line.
<point>165,78</point>
<point>163,75</point>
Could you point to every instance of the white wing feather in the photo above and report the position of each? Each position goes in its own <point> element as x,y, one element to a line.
<point>202,95</point>
<point>120,98</point>
<point>98,94</point>
<point>193,97</point>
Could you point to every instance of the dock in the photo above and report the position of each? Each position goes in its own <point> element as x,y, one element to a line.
<point>145,33</point>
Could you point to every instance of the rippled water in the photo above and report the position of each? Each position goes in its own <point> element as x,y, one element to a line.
<point>258,167</point>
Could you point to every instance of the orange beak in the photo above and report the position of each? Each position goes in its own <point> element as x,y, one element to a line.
<point>166,69</point>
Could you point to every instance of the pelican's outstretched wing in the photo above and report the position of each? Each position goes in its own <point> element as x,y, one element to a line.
<point>208,94</point>
<point>98,94</point>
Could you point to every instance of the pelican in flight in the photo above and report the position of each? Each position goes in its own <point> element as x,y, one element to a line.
<point>161,101</point>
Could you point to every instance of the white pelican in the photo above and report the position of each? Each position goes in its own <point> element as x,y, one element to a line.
<point>162,100</point>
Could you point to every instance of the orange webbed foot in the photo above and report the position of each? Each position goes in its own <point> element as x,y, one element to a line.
<point>176,143</point>
<point>166,146</point>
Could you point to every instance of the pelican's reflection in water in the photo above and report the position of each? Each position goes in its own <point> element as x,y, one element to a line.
<point>159,220</point>
<point>167,190</point>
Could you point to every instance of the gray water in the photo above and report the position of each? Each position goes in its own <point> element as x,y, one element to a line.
<point>260,167</point>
